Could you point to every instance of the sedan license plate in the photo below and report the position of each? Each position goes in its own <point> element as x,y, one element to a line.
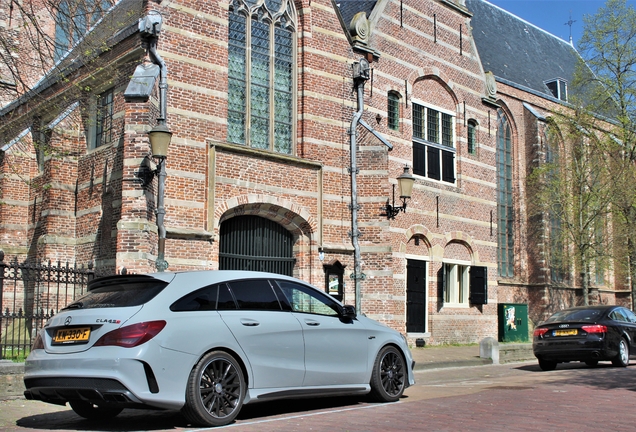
<point>568,332</point>
<point>72,335</point>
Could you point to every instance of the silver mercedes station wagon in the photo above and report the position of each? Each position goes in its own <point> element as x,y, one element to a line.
<point>208,342</point>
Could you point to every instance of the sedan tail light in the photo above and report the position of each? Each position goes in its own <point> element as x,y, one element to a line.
<point>539,332</point>
<point>597,328</point>
<point>132,335</point>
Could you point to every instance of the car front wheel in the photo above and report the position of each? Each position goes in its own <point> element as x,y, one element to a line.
<point>622,359</point>
<point>215,391</point>
<point>93,412</point>
<point>388,379</point>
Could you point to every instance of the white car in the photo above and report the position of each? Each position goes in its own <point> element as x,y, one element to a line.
<point>207,342</point>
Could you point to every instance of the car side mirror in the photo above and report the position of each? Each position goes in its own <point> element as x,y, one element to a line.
<point>348,312</point>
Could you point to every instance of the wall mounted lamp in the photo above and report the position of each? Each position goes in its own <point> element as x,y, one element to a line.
<point>405,185</point>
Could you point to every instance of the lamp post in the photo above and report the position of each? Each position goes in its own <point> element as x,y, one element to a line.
<point>160,137</point>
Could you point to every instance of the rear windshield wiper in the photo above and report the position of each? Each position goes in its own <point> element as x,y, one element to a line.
<point>76,305</point>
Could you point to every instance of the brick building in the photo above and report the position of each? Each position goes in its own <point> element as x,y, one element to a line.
<point>261,101</point>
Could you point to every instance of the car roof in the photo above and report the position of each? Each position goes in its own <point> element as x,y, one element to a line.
<point>209,276</point>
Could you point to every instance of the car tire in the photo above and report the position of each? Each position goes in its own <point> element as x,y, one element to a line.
<point>389,376</point>
<point>622,358</point>
<point>547,365</point>
<point>94,412</point>
<point>215,390</point>
<point>591,363</point>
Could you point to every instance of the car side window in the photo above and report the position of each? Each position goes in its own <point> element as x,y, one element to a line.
<point>631,317</point>
<point>306,300</point>
<point>255,294</point>
<point>204,299</point>
<point>617,315</point>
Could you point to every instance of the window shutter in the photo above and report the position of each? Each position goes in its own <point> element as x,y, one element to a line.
<point>433,163</point>
<point>419,159</point>
<point>448,166</point>
<point>441,278</point>
<point>478,285</point>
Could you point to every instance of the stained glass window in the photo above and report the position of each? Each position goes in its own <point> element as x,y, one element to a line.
<point>260,88</point>
<point>505,209</point>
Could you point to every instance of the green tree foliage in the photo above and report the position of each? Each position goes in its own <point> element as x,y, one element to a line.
<point>606,86</point>
<point>574,193</point>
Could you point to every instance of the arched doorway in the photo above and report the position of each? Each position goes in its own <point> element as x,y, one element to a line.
<point>255,243</point>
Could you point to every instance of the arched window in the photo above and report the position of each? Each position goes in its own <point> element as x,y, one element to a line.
<point>393,110</point>
<point>261,71</point>
<point>505,209</point>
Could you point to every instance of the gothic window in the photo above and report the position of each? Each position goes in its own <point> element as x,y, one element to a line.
<point>505,210</point>
<point>261,71</point>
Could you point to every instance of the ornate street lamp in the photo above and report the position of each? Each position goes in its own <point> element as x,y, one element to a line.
<point>405,185</point>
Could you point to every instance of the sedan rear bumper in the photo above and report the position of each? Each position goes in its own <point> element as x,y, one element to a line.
<point>573,352</point>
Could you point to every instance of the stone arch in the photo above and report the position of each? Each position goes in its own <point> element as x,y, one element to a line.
<point>460,246</point>
<point>286,213</point>
<point>420,232</point>
<point>434,74</point>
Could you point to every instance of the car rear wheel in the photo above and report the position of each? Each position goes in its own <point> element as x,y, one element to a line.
<point>94,412</point>
<point>622,359</point>
<point>215,391</point>
<point>547,365</point>
<point>388,379</point>
<point>591,363</point>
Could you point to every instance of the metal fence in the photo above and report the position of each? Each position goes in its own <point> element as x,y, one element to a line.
<point>31,293</point>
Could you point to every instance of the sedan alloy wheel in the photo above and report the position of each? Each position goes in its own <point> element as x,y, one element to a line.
<point>216,389</point>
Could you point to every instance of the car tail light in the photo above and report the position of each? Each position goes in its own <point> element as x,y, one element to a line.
<point>38,343</point>
<point>132,335</point>
<point>595,328</point>
<point>539,332</point>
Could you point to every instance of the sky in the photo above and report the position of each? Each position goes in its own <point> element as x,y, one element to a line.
<point>553,15</point>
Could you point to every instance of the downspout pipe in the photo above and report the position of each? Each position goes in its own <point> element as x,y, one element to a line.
<point>360,76</point>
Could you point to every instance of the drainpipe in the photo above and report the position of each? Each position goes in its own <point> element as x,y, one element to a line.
<point>360,76</point>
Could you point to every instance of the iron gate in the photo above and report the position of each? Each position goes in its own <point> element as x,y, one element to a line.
<point>31,293</point>
<point>256,243</point>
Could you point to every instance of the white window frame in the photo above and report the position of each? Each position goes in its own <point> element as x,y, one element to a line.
<point>457,289</point>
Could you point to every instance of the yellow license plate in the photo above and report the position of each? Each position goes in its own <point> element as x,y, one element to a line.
<point>72,335</point>
<point>569,332</point>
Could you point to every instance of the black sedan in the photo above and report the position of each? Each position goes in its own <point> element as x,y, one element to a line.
<point>587,334</point>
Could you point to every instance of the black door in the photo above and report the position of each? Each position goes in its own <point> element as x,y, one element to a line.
<point>415,296</point>
<point>256,243</point>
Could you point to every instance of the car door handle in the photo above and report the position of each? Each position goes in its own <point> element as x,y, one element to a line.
<point>249,323</point>
<point>312,323</point>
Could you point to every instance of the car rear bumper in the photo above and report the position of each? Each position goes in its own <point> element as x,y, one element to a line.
<point>106,376</point>
<point>585,351</point>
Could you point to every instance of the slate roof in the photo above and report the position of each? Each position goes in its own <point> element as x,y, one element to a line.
<point>348,8</point>
<point>518,52</point>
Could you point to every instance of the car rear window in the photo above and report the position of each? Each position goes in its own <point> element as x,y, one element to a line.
<point>122,292</point>
<point>576,315</point>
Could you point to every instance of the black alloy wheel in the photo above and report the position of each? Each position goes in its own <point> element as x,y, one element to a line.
<point>215,390</point>
<point>388,380</point>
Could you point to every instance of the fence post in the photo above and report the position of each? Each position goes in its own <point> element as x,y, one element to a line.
<point>2,267</point>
